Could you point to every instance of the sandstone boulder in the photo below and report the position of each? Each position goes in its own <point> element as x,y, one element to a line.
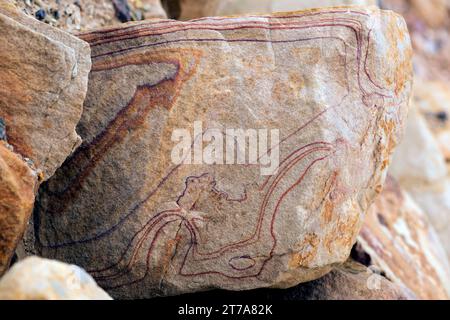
<point>432,98</point>
<point>429,25</point>
<point>398,239</point>
<point>17,187</point>
<point>41,279</point>
<point>44,74</point>
<point>421,169</point>
<point>191,9</point>
<point>330,88</point>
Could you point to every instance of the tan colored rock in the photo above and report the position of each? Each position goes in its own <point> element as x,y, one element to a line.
<point>429,24</point>
<point>40,279</point>
<point>433,100</point>
<point>44,74</point>
<point>81,15</point>
<point>421,170</point>
<point>145,225</point>
<point>192,9</point>
<point>399,240</point>
<point>351,281</point>
<point>17,187</point>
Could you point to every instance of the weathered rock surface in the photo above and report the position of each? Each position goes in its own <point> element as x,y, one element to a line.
<point>17,187</point>
<point>192,9</point>
<point>421,169</point>
<point>398,239</point>
<point>351,281</point>
<point>334,83</point>
<point>41,279</point>
<point>81,15</point>
<point>429,25</point>
<point>44,74</point>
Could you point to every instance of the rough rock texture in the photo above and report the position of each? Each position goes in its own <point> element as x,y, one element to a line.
<point>351,281</point>
<point>41,279</point>
<point>335,83</point>
<point>17,187</point>
<point>81,15</point>
<point>41,97</point>
<point>433,100</point>
<point>191,9</point>
<point>429,24</point>
<point>398,239</point>
<point>421,169</point>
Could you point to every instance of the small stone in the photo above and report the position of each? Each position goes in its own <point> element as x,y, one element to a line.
<point>40,279</point>
<point>40,14</point>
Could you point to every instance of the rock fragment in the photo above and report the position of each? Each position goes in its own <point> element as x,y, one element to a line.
<point>400,241</point>
<point>41,279</point>
<point>17,187</point>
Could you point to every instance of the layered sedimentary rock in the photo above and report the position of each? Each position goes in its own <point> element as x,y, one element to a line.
<point>75,16</point>
<point>398,239</point>
<point>41,279</point>
<point>17,187</point>
<point>192,9</point>
<point>44,81</point>
<point>329,88</point>
<point>421,169</point>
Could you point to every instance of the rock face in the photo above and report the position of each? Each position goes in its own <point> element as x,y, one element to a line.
<point>331,87</point>
<point>17,184</point>
<point>351,281</point>
<point>41,99</point>
<point>192,9</point>
<point>399,240</point>
<point>421,169</point>
<point>81,15</point>
<point>41,279</point>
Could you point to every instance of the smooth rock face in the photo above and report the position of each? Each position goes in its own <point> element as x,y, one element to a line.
<point>41,279</point>
<point>192,9</point>
<point>17,187</point>
<point>41,98</point>
<point>351,281</point>
<point>421,169</point>
<point>334,83</point>
<point>400,241</point>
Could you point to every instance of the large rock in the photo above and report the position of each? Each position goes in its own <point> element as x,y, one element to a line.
<point>44,74</point>
<point>17,187</point>
<point>398,239</point>
<point>333,85</point>
<point>421,169</point>
<point>81,15</point>
<point>433,101</point>
<point>41,279</point>
<point>191,9</point>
